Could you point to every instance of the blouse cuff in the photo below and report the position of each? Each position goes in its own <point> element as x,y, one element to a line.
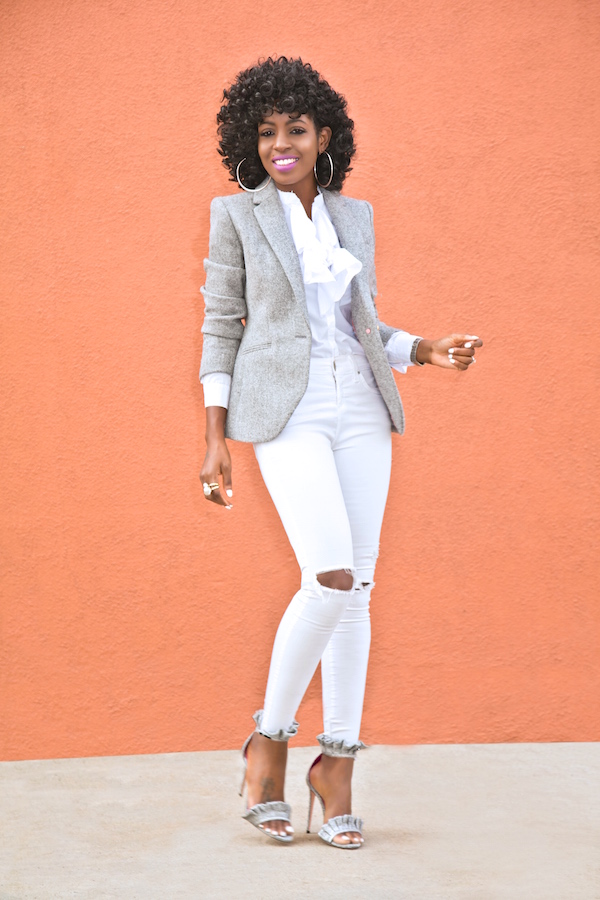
<point>217,387</point>
<point>398,350</point>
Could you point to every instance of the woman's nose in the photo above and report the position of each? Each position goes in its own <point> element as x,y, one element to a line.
<point>282,141</point>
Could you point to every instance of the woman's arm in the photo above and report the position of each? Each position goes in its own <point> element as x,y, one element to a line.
<point>224,294</point>
<point>225,308</point>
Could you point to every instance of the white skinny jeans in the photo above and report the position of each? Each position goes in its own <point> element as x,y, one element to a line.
<point>328,474</point>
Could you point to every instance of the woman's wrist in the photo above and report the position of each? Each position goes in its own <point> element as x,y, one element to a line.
<point>215,424</point>
<point>423,351</point>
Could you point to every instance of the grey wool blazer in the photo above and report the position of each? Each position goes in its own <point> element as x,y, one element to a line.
<point>256,323</point>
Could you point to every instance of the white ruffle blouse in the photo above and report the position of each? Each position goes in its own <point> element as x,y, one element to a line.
<point>327,270</point>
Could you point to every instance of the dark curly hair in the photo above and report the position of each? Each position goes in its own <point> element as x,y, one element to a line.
<point>286,86</point>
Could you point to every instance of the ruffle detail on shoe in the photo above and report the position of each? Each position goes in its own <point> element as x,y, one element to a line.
<point>281,735</point>
<point>330,747</point>
<point>273,811</point>
<point>341,825</point>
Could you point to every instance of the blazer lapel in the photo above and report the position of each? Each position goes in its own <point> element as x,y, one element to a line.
<point>346,232</point>
<point>352,240</point>
<point>269,213</point>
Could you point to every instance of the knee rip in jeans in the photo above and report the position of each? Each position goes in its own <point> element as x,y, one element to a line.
<point>365,585</point>
<point>366,569</point>
<point>340,580</point>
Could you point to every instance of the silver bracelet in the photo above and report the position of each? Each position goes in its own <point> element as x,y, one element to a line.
<point>413,352</point>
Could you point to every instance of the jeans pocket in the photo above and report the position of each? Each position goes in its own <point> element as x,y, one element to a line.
<point>367,379</point>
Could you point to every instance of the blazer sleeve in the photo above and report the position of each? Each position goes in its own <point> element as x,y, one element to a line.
<point>386,331</point>
<point>224,294</point>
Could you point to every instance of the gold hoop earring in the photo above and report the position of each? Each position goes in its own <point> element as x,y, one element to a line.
<point>325,153</point>
<point>243,187</point>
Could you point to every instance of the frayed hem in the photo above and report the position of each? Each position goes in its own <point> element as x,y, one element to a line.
<point>337,747</point>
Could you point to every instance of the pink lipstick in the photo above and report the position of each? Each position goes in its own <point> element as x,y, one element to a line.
<point>284,163</point>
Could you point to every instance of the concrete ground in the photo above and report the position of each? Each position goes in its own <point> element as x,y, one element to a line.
<point>475,822</point>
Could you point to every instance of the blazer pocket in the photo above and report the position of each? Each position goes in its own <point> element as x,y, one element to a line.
<point>254,347</point>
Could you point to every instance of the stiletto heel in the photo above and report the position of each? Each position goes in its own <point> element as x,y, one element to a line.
<point>272,810</point>
<point>312,793</point>
<point>311,801</point>
<point>337,824</point>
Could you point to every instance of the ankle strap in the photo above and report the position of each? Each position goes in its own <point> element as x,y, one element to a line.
<point>281,735</point>
<point>330,747</point>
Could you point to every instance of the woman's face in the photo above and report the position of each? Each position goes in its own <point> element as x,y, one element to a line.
<point>288,146</point>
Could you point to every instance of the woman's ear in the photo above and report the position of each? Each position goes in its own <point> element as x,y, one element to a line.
<point>324,138</point>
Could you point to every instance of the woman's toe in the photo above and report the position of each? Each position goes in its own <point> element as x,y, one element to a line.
<point>349,838</point>
<point>342,839</point>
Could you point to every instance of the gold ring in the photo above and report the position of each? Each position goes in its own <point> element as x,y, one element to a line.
<point>214,486</point>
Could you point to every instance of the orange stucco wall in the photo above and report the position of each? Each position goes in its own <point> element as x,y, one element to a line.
<point>136,618</point>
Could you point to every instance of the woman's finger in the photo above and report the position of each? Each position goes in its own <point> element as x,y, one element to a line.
<point>461,352</point>
<point>217,498</point>
<point>461,358</point>
<point>465,340</point>
<point>215,494</point>
<point>227,483</point>
<point>212,489</point>
<point>461,363</point>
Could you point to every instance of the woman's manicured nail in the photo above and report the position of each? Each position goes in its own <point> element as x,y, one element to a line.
<point>229,507</point>
<point>468,346</point>
<point>451,350</point>
<point>452,360</point>
<point>229,493</point>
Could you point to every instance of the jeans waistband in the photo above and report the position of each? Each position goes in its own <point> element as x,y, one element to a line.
<point>346,362</point>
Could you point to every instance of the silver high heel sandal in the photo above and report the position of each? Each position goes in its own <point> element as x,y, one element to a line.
<point>273,810</point>
<point>338,824</point>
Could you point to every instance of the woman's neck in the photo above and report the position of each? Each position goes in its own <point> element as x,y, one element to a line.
<point>305,191</point>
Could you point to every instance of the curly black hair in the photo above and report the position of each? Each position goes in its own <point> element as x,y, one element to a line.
<point>286,86</point>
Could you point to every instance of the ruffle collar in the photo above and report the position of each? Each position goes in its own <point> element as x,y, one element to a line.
<point>322,259</point>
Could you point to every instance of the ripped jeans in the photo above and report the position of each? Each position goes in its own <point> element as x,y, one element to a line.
<point>328,475</point>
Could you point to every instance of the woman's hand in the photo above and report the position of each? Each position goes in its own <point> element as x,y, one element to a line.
<point>217,462</point>
<point>456,351</point>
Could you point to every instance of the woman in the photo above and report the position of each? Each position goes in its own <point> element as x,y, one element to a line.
<point>296,361</point>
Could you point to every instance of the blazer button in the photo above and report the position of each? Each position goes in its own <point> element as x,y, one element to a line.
<point>368,330</point>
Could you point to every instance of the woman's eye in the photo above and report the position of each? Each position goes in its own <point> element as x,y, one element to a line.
<point>298,130</point>
<point>265,134</point>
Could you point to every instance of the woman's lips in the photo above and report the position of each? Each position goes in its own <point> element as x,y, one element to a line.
<point>284,163</point>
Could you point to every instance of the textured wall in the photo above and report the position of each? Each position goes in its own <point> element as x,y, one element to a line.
<point>135,617</point>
